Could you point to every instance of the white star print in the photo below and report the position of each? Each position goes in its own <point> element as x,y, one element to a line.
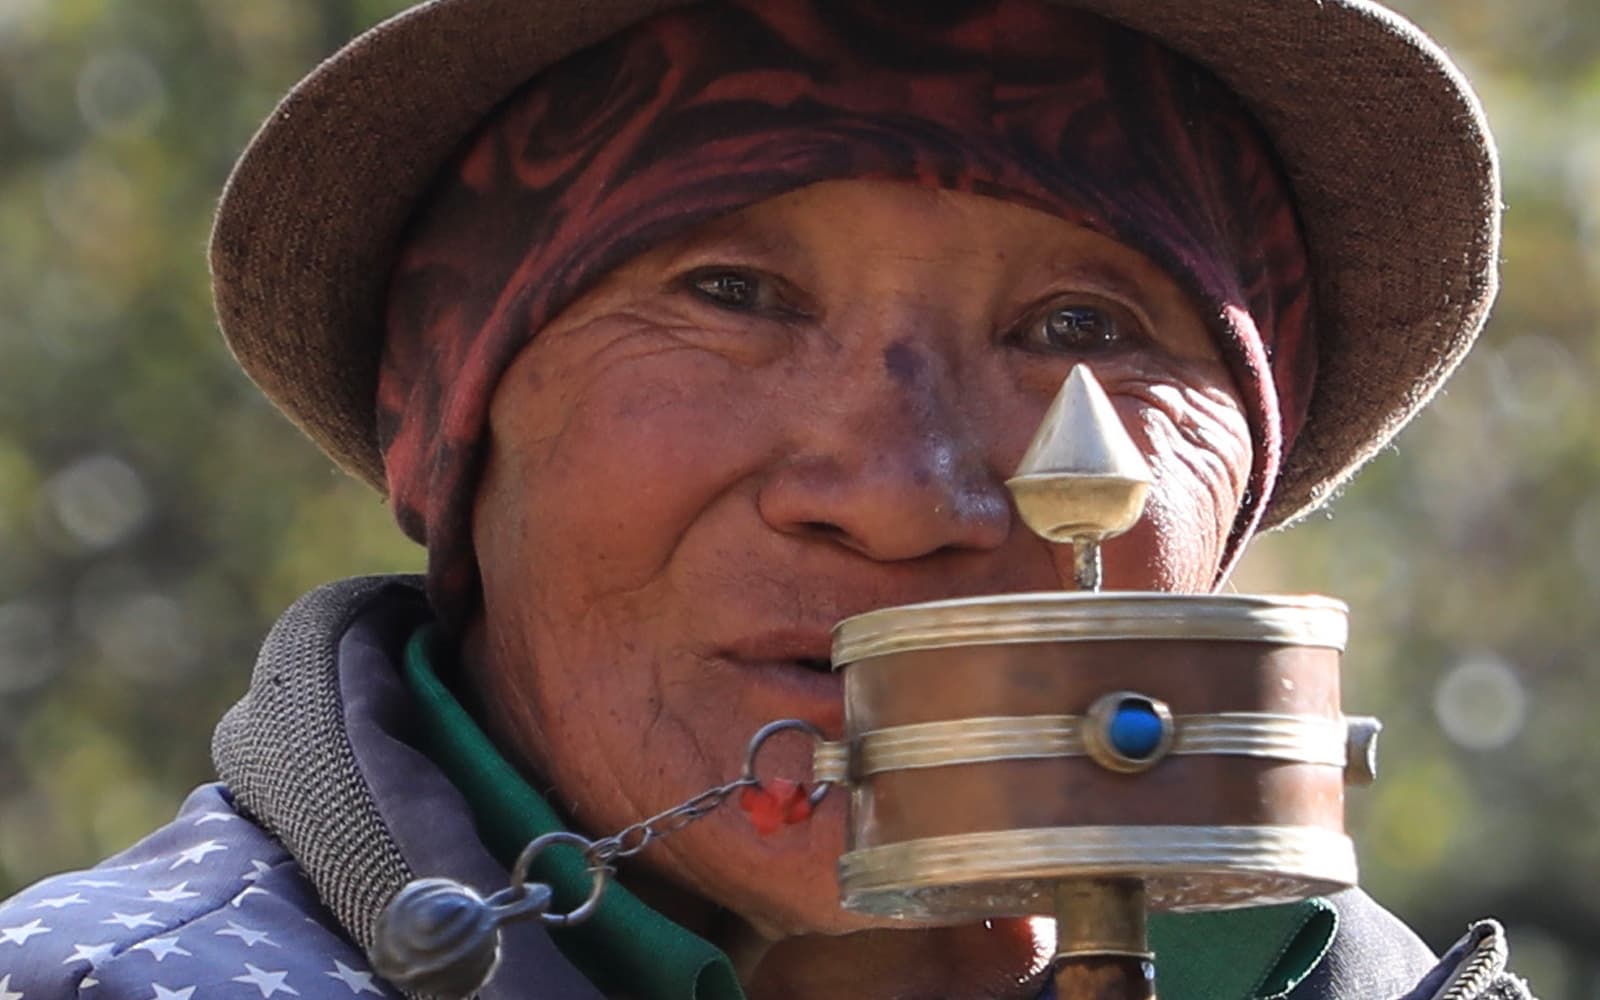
<point>172,895</point>
<point>159,948</point>
<point>267,982</point>
<point>261,868</point>
<point>5,989</point>
<point>249,936</point>
<point>249,891</point>
<point>89,982</point>
<point>60,902</point>
<point>215,817</point>
<point>132,921</point>
<point>358,981</point>
<point>91,953</point>
<point>162,993</point>
<point>20,935</point>
<point>95,883</point>
<point>194,855</point>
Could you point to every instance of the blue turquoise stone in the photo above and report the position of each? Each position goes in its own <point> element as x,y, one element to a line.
<point>1135,730</point>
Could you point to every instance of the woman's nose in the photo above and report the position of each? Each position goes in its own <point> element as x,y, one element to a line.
<point>893,472</point>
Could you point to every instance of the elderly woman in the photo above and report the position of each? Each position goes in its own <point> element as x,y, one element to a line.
<point>676,337</point>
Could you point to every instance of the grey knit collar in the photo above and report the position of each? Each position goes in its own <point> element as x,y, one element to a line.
<point>317,754</point>
<point>284,752</point>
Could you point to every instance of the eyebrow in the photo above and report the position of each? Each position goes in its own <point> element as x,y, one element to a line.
<point>736,235</point>
<point>1111,278</point>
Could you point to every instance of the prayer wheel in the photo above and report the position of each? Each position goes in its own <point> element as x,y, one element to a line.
<point>997,745</point>
<point>1092,755</point>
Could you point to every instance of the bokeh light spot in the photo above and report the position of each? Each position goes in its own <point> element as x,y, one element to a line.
<point>28,655</point>
<point>120,92</point>
<point>1480,703</point>
<point>98,501</point>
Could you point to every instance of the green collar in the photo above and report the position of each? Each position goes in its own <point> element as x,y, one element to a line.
<point>1256,954</point>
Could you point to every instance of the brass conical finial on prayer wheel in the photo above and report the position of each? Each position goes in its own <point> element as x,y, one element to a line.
<point>1082,479</point>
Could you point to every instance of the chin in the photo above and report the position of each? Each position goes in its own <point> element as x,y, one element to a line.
<point>831,919</point>
<point>783,885</point>
<point>826,922</point>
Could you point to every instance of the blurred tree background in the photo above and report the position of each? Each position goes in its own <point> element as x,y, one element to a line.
<point>155,514</point>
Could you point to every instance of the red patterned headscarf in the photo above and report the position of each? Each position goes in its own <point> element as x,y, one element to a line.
<point>711,108</point>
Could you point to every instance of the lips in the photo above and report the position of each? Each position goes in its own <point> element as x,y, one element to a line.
<point>793,667</point>
<point>806,648</point>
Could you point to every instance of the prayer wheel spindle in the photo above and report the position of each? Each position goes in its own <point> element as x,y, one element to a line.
<point>1082,481</point>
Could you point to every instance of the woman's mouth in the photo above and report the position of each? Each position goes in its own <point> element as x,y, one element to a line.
<point>794,669</point>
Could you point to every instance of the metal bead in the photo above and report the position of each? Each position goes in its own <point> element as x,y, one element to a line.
<point>439,937</point>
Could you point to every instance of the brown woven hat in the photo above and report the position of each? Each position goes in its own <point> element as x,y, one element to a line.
<point>1383,142</point>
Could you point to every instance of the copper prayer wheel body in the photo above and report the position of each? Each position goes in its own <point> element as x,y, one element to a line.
<point>998,745</point>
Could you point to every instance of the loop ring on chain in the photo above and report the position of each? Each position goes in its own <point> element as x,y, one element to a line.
<point>760,739</point>
<point>601,874</point>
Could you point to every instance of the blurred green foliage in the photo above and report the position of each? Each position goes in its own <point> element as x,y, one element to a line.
<point>155,514</point>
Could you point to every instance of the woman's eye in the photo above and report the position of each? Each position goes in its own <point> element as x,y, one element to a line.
<point>728,289</point>
<point>1079,327</point>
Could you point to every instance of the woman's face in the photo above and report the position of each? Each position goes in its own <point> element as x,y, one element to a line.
<point>795,414</point>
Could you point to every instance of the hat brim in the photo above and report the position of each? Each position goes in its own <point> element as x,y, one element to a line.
<point>1384,144</point>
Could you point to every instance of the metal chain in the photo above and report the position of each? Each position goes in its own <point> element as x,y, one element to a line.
<point>439,937</point>
<point>630,840</point>
<point>625,843</point>
<point>603,854</point>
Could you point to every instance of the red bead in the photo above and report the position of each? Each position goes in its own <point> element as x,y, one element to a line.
<point>774,804</point>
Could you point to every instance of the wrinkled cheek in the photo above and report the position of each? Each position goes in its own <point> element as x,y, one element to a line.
<point>1197,442</point>
<point>629,468</point>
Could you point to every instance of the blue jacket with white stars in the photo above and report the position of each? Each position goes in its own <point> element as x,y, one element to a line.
<point>268,883</point>
<point>209,906</point>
